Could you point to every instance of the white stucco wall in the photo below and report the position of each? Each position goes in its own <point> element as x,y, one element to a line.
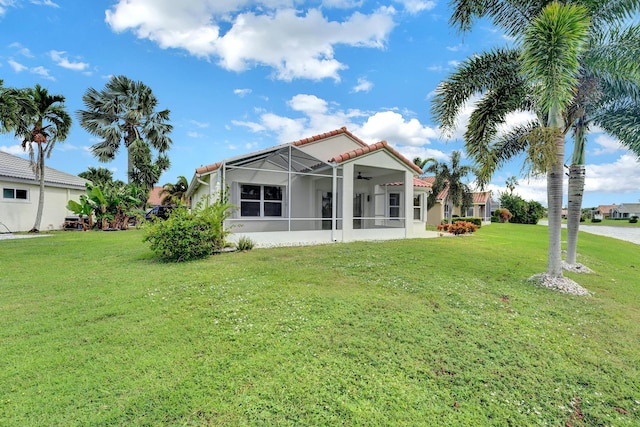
<point>19,215</point>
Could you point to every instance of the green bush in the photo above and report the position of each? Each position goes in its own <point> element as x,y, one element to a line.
<point>633,219</point>
<point>186,236</point>
<point>472,220</point>
<point>245,244</point>
<point>596,220</point>
<point>523,212</point>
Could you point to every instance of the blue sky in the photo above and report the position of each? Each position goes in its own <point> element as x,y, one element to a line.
<point>242,75</point>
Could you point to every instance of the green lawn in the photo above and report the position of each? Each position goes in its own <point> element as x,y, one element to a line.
<point>437,332</point>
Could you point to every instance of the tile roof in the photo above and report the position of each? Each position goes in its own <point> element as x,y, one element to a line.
<point>417,182</point>
<point>342,130</point>
<point>629,207</point>
<point>365,148</point>
<point>15,167</point>
<point>606,209</point>
<point>445,191</point>
<point>155,199</point>
<point>481,197</point>
<point>370,148</point>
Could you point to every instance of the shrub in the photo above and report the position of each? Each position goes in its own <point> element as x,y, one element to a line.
<point>633,219</point>
<point>182,237</point>
<point>245,244</point>
<point>596,220</point>
<point>522,212</point>
<point>458,228</point>
<point>473,220</point>
<point>186,236</point>
<point>503,214</point>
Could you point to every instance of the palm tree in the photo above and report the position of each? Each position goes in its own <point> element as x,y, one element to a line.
<point>98,176</point>
<point>451,175</point>
<point>42,128</point>
<point>124,112</point>
<point>174,193</point>
<point>12,103</point>
<point>606,94</point>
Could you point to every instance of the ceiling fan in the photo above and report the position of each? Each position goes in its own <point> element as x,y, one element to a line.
<point>363,177</point>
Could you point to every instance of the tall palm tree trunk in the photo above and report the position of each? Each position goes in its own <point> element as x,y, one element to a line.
<point>576,190</point>
<point>554,200</point>
<point>40,169</point>
<point>574,210</point>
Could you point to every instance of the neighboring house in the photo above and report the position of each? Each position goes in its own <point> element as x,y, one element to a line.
<point>626,210</point>
<point>481,208</point>
<point>21,190</point>
<point>603,211</point>
<point>155,198</point>
<point>331,187</point>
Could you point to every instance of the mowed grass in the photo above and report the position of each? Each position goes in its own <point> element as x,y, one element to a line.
<point>94,331</point>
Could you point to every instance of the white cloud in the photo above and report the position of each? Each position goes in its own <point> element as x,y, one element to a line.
<point>416,6</point>
<point>16,150</point>
<point>455,48</point>
<point>453,63</point>
<point>44,3</point>
<point>318,116</point>
<point>43,72</point>
<point>192,134</point>
<point>21,49</point>
<point>608,145</point>
<point>295,45</point>
<point>242,92</point>
<point>363,85</point>
<point>395,129</point>
<point>17,67</point>
<point>4,4</point>
<point>62,61</point>
<point>198,124</point>
<point>621,176</point>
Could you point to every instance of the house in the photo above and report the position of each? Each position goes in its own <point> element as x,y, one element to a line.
<point>21,191</point>
<point>155,196</point>
<point>626,210</point>
<point>603,211</point>
<point>482,206</point>
<point>331,187</point>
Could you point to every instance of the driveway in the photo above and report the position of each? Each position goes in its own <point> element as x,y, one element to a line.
<point>629,234</point>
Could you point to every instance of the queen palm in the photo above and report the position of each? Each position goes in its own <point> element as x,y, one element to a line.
<point>451,175</point>
<point>124,113</point>
<point>41,127</point>
<point>605,90</point>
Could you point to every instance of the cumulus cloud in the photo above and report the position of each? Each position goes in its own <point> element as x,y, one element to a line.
<point>316,116</point>
<point>363,85</point>
<point>60,58</point>
<point>619,177</point>
<point>273,34</point>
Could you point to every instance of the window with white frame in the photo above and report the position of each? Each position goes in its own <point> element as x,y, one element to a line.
<point>261,200</point>
<point>394,205</point>
<point>15,194</point>
<point>417,207</point>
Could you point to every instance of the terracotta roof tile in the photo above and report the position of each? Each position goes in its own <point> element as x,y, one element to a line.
<point>417,182</point>
<point>481,197</point>
<point>209,168</point>
<point>342,130</point>
<point>374,147</point>
<point>155,199</point>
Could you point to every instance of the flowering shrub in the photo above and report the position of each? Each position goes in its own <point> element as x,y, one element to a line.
<point>503,214</point>
<point>458,228</point>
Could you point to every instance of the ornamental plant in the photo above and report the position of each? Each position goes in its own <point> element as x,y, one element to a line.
<point>458,228</point>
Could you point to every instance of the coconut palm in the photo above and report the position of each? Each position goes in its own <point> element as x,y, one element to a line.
<point>124,113</point>
<point>606,94</point>
<point>451,175</point>
<point>41,127</point>
<point>173,194</point>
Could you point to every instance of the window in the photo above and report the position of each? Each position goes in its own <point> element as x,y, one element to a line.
<point>417,207</point>
<point>470,211</point>
<point>14,193</point>
<point>394,205</point>
<point>260,200</point>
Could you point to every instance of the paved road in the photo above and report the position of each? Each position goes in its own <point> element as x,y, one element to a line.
<point>630,234</point>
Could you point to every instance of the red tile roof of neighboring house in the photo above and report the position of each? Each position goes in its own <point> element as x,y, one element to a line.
<point>606,209</point>
<point>370,148</point>
<point>417,182</point>
<point>342,130</point>
<point>481,197</point>
<point>431,180</point>
<point>155,199</point>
